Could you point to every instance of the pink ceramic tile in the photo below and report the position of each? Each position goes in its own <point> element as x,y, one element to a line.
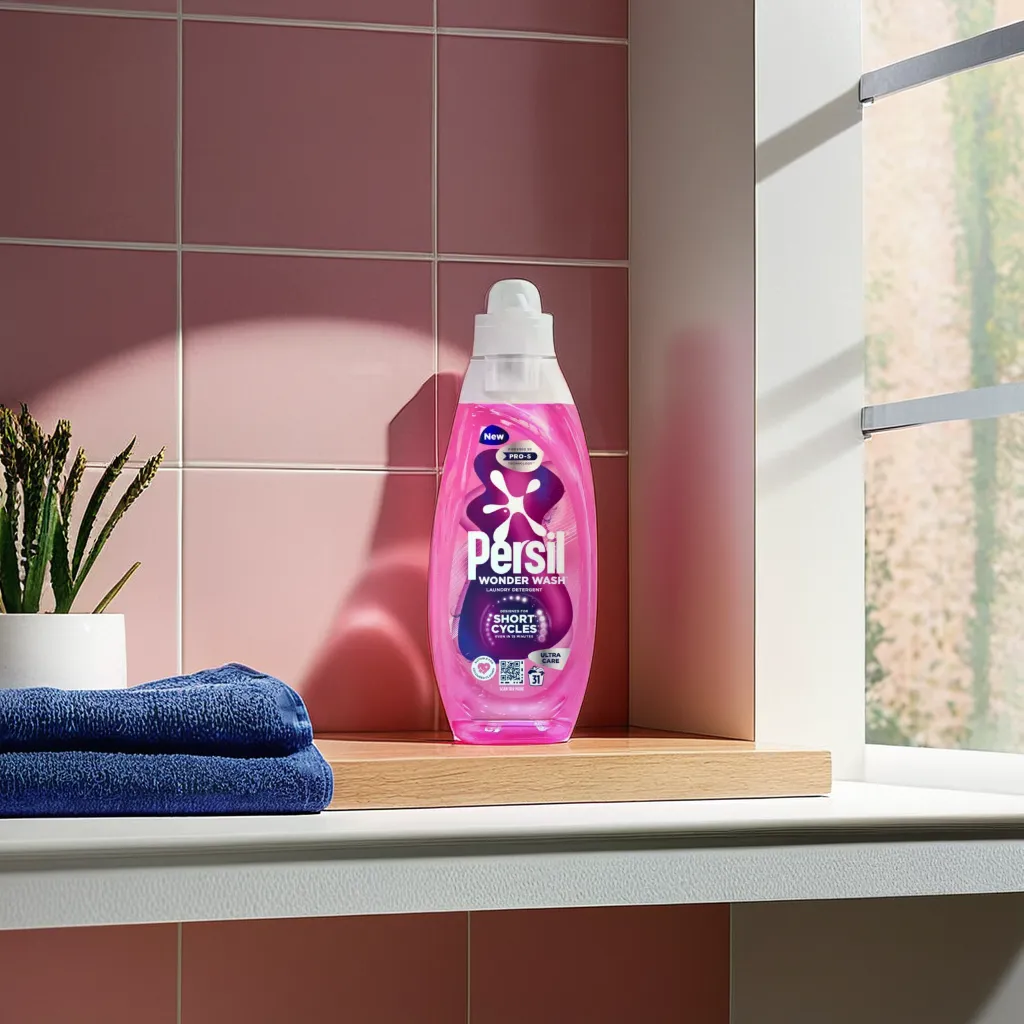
<point>659,965</point>
<point>87,118</point>
<point>90,334</point>
<point>607,700</point>
<point>90,975</point>
<point>565,17</point>
<point>305,137</point>
<point>319,578</point>
<point>305,360</point>
<point>148,533</point>
<point>377,12</point>
<point>548,175</point>
<point>371,970</point>
<point>591,310</point>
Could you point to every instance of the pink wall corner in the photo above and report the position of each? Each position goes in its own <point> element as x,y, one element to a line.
<point>374,970</point>
<point>606,704</point>
<point>692,546</point>
<point>90,975</point>
<point>692,367</point>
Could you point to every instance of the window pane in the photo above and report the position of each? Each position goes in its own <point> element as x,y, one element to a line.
<point>944,231</point>
<point>945,585</point>
<point>897,29</point>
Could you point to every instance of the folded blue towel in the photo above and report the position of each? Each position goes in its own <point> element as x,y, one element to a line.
<point>90,783</point>
<point>229,711</point>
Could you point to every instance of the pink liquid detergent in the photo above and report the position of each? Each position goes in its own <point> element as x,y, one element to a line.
<point>513,560</point>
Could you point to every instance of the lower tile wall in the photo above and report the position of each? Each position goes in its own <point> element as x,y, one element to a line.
<point>619,965</point>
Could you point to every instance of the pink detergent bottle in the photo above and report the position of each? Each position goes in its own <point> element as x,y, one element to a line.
<point>513,557</point>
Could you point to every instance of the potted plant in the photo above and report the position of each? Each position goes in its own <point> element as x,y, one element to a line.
<point>38,542</point>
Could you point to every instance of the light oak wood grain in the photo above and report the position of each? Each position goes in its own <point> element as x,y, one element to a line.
<point>429,770</point>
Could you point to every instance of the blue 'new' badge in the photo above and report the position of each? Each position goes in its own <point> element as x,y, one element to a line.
<point>493,435</point>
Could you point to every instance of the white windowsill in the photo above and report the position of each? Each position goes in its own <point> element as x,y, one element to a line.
<point>971,770</point>
<point>865,840</point>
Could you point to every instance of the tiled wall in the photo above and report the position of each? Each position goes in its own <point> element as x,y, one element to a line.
<point>260,243</point>
<point>285,301</point>
<point>618,965</point>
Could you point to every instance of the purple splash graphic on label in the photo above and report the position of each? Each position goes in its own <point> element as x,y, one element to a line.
<point>516,601</point>
<point>539,492</point>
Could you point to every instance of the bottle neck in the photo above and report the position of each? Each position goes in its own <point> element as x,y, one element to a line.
<point>514,380</point>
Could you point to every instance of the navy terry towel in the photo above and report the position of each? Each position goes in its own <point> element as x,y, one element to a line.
<point>76,783</point>
<point>231,711</point>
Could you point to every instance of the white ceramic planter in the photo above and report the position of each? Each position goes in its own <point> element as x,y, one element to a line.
<point>71,652</point>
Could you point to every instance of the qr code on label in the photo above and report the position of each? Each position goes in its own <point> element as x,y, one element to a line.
<point>511,673</point>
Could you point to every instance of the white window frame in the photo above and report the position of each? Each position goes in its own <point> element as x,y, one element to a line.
<point>810,510</point>
<point>946,769</point>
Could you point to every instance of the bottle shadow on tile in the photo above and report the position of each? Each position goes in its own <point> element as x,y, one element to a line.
<point>373,673</point>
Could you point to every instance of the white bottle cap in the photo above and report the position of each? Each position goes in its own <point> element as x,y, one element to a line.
<point>514,324</point>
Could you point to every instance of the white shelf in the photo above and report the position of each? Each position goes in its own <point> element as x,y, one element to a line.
<point>863,841</point>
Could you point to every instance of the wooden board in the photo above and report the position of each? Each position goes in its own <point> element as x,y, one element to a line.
<point>429,770</point>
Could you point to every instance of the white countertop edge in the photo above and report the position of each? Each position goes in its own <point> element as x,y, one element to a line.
<point>863,841</point>
<point>71,897</point>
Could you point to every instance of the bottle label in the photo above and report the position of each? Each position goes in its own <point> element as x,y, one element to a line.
<point>515,561</point>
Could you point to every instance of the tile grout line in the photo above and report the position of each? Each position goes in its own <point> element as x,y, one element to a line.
<point>349,26</point>
<point>81,243</point>
<point>553,37</point>
<point>180,342</point>
<point>434,284</point>
<point>343,254</point>
<point>531,261</point>
<point>630,703</point>
<point>90,12</point>
<point>629,219</point>
<point>178,979</point>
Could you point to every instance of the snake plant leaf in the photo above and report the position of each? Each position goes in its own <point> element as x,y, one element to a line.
<point>33,487</point>
<point>142,480</point>
<point>92,510</point>
<point>60,569</point>
<point>30,429</point>
<point>71,485</point>
<point>115,590</point>
<point>10,578</point>
<point>9,459</point>
<point>41,551</point>
<point>59,446</point>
